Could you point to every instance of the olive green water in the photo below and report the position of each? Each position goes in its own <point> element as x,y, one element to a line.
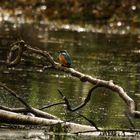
<point>108,57</point>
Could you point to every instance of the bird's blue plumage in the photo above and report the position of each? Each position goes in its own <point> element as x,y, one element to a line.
<point>67,61</point>
<point>68,58</point>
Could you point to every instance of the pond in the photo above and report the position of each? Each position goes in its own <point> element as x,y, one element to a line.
<point>104,56</point>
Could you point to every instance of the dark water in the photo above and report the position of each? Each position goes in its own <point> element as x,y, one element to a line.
<point>108,57</point>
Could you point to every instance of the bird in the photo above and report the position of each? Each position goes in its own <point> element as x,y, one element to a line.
<point>64,58</point>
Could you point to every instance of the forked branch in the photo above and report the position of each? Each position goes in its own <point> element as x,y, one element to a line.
<point>86,100</point>
<point>83,77</point>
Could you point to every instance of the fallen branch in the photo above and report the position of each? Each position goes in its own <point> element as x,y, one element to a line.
<point>87,78</point>
<point>86,100</point>
<point>30,109</point>
<point>111,132</point>
<point>107,84</point>
<point>51,105</point>
<point>90,121</point>
<point>129,120</point>
<point>6,116</point>
<point>12,116</point>
<point>16,110</point>
<point>15,53</point>
<point>14,58</point>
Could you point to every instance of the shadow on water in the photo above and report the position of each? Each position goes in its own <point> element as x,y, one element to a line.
<point>104,56</point>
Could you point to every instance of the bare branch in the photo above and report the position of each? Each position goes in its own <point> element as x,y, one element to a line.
<point>112,132</point>
<point>129,119</point>
<point>51,105</point>
<point>16,110</point>
<point>86,100</point>
<point>17,49</point>
<point>35,111</point>
<point>43,53</point>
<point>15,95</point>
<point>90,121</point>
<point>6,116</point>
<point>20,47</point>
<point>87,78</point>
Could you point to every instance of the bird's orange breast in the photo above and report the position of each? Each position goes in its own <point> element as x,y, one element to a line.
<point>62,59</point>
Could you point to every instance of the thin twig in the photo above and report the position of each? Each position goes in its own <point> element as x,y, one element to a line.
<point>129,120</point>
<point>35,111</point>
<point>15,95</point>
<point>90,121</point>
<point>16,110</point>
<point>86,100</point>
<point>51,105</point>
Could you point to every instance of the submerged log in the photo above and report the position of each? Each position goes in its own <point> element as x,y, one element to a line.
<point>15,118</point>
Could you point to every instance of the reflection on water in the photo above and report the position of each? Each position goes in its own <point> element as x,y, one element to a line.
<point>100,55</point>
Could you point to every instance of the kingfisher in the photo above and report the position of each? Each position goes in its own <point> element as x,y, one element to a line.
<point>65,58</point>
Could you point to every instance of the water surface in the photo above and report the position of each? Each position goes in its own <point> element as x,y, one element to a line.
<point>104,56</point>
